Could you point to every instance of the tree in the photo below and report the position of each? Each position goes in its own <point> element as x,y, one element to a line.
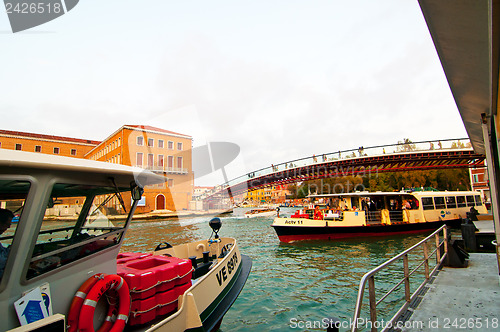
<point>406,145</point>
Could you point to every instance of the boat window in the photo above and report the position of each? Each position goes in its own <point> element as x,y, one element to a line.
<point>478,200</point>
<point>470,200</point>
<point>427,203</point>
<point>79,220</point>
<point>439,203</point>
<point>461,201</point>
<point>13,194</point>
<point>450,202</point>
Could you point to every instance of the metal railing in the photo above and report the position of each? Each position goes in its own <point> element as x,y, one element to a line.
<point>370,278</point>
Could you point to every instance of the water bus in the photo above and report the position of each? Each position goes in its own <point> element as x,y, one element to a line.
<point>61,267</point>
<point>350,215</point>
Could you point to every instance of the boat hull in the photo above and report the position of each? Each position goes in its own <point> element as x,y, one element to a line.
<point>289,234</point>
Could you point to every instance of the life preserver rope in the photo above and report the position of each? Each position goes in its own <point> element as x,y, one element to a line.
<point>135,290</point>
<point>81,315</point>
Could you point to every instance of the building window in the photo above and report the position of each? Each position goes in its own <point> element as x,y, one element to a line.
<point>138,159</point>
<point>179,162</point>
<point>19,146</point>
<point>56,150</point>
<point>160,160</point>
<point>73,152</point>
<point>170,145</point>
<point>140,140</point>
<point>150,160</point>
<point>151,142</point>
<point>38,148</point>
<point>475,178</point>
<point>160,143</point>
<point>179,146</point>
<point>170,162</point>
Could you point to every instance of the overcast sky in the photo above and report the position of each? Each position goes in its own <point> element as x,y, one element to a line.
<point>282,79</point>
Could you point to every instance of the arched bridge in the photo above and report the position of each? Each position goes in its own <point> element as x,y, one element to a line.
<point>408,156</point>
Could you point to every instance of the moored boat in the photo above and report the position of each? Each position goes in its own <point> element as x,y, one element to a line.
<point>63,265</point>
<point>262,212</point>
<point>359,214</point>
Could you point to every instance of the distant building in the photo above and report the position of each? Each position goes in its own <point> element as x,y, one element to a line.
<point>48,144</point>
<point>158,150</point>
<point>200,190</point>
<point>479,180</point>
<point>272,194</point>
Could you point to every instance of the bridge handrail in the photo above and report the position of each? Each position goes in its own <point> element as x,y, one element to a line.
<point>445,144</point>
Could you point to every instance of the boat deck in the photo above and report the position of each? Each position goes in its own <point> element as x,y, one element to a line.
<point>461,299</point>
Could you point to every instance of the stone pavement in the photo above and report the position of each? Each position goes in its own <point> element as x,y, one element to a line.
<point>461,299</point>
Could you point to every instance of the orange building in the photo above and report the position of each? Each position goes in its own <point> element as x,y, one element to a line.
<point>158,150</point>
<point>49,144</point>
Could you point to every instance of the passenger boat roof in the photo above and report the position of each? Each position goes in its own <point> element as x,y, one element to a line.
<point>390,193</point>
<point>21,160</point>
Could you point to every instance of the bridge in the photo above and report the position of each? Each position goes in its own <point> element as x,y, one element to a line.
<point>365,161</point>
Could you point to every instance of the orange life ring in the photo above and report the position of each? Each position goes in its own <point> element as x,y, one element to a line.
<point>318,215</point>
<point>76,303</point>
<point>110,282</point>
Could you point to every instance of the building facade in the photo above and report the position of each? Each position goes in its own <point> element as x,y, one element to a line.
<point>158,150</point>
<point>48,144</point>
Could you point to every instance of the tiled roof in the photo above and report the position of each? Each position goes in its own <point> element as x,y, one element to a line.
<point>150,128</point>
<point>48,137</point>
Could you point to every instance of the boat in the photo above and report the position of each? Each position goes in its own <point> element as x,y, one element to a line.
<point>366,214</point>
<point>64,266</point>
<point>262,212</point>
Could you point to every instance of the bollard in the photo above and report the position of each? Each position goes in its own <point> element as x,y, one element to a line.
<point>469,236</point>
<point>193,261</point>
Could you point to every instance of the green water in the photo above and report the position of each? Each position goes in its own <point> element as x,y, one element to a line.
<point>291,285</point>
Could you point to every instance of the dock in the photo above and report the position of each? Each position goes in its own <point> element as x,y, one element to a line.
<point>460,299</point>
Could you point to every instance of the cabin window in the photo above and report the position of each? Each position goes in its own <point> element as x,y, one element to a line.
<point>38,148</point>
<point>19,146</point>
<point>470,200</point>
<point>439,203</point>
<point>56,150</point>
<point>427,203</point>
<point>451,203</point>
<point>478,200</point>
<point>13,194</point>
<point>461,201</point>
<point>79,220</point>
<point>73,152</point>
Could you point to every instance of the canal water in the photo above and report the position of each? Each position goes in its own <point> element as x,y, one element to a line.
<point>291,286</point>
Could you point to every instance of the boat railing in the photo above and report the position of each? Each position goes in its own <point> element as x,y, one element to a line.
<point>396,215</point>
<point>373,216</point>
<point>440,252</point>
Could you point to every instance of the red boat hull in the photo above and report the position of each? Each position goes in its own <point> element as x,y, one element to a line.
<point>289,234</point>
